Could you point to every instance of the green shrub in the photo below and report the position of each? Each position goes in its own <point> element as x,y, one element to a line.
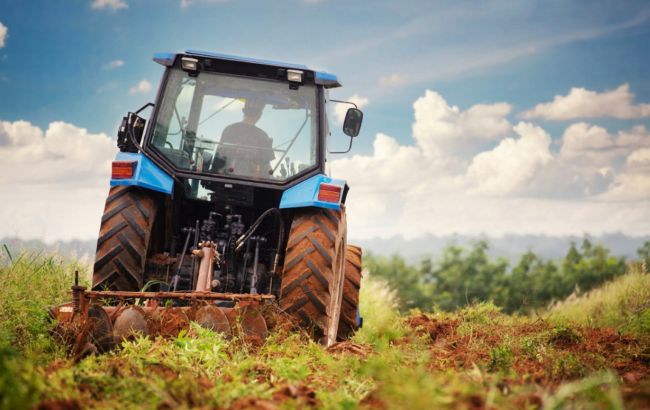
<point>29,285</point>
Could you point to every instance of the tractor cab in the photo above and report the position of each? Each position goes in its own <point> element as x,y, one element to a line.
<point>224,119</point>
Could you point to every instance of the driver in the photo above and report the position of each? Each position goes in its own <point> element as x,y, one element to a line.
<point>246,149</point>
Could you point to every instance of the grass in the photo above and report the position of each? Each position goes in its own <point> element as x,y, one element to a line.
<point>623,303</point>
<point>477,357</point>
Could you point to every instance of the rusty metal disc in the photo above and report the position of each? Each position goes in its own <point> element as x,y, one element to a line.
<point>167,322</point>
<point>129,323</point>
<point>101,330</point>
<point>213,318</point>
<point>253,323</point>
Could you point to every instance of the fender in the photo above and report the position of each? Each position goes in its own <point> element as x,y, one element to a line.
<point>146,174</point>
<point>305,194</point>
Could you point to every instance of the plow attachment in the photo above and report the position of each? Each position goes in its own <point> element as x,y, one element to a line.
<point>96,321</point>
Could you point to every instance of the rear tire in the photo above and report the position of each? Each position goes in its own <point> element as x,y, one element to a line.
<point>350,306</point>
<point>312,282</point>
<point>123,241</point>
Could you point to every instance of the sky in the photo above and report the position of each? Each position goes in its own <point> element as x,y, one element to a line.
<point>493,117</point>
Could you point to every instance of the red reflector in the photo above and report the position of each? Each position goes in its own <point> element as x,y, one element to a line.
<point>123,169</point>
<point>329,193</point>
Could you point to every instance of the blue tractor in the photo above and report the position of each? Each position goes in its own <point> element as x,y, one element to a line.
<point>223,198</point>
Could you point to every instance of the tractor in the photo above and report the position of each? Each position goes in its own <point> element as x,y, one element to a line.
<point>220,205</point>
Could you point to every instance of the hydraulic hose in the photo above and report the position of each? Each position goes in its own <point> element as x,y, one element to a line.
<point>273,211</point>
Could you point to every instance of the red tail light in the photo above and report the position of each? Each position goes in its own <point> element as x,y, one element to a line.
<point>123,169</point>
<point>329,193</point>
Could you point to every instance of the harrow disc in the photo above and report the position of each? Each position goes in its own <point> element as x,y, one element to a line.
<point>100,330</point>
<point>129,323</point>
<point>213,318</point>
<point>253,323</point>
<point>167,322</point>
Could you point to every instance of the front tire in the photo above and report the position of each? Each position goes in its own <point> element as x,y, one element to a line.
<point>123,241</point>
<point>313,278</point>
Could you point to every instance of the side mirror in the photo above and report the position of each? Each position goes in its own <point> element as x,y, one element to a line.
<point>129,134</point>
<point>352,123</point>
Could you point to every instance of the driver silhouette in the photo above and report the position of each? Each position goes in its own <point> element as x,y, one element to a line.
<point>245,149</point>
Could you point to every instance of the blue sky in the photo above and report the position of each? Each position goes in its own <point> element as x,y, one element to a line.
<point>80,62</point>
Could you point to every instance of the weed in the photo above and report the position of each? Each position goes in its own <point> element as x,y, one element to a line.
<point>500,359</point>
<point>563,336</point>
<point>622,304</point>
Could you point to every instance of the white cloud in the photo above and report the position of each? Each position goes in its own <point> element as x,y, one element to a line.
<point>594,145</point>
<point>520,183</point>
<point>3,34</point>
<point>512,163</point>
<point>112,65</point>
<point>392,80</point>
<point>439,126</point>
<point>109,4</point>
<point>53,183</point>
<point>143,87</point>
<point>633,182</point>
<point>340,109</point>
<point>583,103</point>
<point>640,157</point>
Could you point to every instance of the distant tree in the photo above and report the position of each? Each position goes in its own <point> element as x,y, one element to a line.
<point>461,276</point>
<point>405,279</point>
<point>532,283</point>
<point>460,279</point>
<point>591,267</point>
<point>644,254</point>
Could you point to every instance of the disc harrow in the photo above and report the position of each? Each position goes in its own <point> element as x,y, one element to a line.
<point>97,321</point>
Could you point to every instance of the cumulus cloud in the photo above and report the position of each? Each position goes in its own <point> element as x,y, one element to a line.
<point>442,127</point>
<point>519,181</point>
<point>112,65</point>
<point>3,34</point>
<point>143,87</point>
<point>340,109</point>
<point>640,157</point>
<point>108,4</point>
<point>583,103</point>
<point>512,163</point>
<point>53,182</point>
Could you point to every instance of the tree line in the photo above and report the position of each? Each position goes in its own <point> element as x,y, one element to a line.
<point>461,276</point>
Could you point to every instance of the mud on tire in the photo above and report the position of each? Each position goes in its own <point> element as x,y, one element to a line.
<point>123,240</point>
<point>312,282</point>
<point>350,304</point>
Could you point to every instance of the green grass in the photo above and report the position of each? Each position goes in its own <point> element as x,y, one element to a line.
<point>476,357</point>
<point>623,304</point>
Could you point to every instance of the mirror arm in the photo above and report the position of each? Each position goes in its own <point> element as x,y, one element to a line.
<point>342,152</point>
<point>345,102</point>
<point>149,104</point>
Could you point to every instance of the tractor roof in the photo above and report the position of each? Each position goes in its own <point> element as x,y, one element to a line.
<point>323,78</point>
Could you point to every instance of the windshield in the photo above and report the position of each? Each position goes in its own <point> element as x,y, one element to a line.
<point>237,126</point>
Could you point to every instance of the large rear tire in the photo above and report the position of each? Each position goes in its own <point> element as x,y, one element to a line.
<point>123,241</point>
<point>312,282</point>
<point>350,306</point>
